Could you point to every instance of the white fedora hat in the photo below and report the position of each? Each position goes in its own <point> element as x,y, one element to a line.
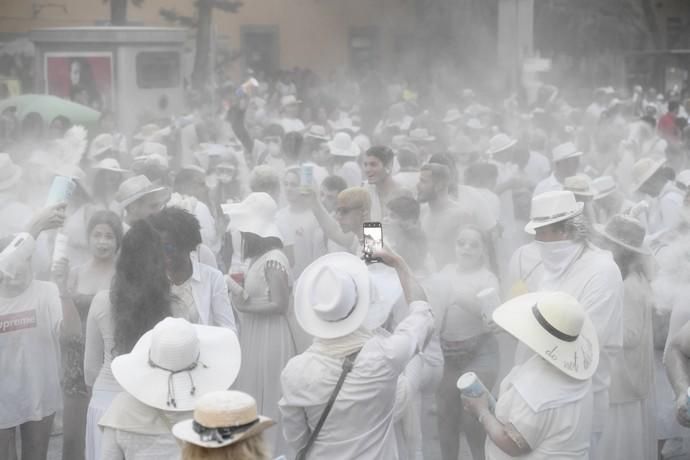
<point>344,124</point>
<point>683,180</point>
<point>176,362</point>
<point>603,186</point>
<point>150,132</point>
<point>317,132</point>
<point>643,170</point>
<point>474,123</point>
<point>580,185</point>
<point>420,135</point>
<point>135,188</point>
<point>500,143</point>
<point>551,207</point>
<point>564,151</point>
<point>332,296</point>
<point>109,164</point>
<point>256,214</point>
<point>289,100</point>
<point>386,290</point>
<point>343,146</point>
<point>10,173</point>
<point>222,418</point>
<point>147,148</point>
<point>101,144</point>
<point>625,231</point>
<point>556,327</point>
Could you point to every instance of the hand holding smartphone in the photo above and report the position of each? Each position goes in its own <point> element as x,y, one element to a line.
<point>373,240</point>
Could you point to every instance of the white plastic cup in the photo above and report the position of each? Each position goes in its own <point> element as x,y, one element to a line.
<point>61,190</point>
<point>489,300</point>
<point>20,249</point>
<point>60,248</point>
<point>471,387</point>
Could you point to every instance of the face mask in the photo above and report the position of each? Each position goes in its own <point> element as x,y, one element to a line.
<point>558,256</point>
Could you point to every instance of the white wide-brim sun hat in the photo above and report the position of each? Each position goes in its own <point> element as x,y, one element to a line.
<point>332,296</point>
<point>256,214</point>
<point>217,364</point>
<point>556,327</point>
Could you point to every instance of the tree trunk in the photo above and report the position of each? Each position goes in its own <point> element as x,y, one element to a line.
<point>118,12</point>
<point>202,58</point>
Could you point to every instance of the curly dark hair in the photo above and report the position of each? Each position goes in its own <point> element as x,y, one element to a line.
<point>181,226</point>
<point>140,291</point>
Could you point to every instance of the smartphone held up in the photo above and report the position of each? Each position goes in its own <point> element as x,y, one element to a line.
<point>372,241</point>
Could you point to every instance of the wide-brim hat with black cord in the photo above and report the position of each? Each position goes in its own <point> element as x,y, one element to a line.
<point>222,418</point>
<point>175,363</point>
<point>556,327</point>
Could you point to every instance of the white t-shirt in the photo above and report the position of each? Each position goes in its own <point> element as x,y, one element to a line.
<point>30,354</point>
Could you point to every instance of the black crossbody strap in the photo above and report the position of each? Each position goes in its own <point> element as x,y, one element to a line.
<point>348,364</point>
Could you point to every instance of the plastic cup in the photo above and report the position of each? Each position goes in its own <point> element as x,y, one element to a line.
<point>61,190</point>
<point>471,387</point>
<point>60,248</point>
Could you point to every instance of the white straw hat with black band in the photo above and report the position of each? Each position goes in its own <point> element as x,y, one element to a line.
<point>551,207</point>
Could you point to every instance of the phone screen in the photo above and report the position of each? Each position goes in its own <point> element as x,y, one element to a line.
<point>373,238</point>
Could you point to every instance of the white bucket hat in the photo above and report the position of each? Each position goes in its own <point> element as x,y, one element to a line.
<point>332,296</point>
<point>109,164</point>
<point>556,327</point>
<point>256,214</point>
<point>386,290</point>
<point>135,188</point>
<point>500,143</point>
<point>343,146</point>
<point>643,170</point>
<point>10,173</point>
<point>176,362</point>
<point>551,207</point>
<point>101,144</point>
<point>603,187</point>
<point>222,418</point>
<point>564,151</point>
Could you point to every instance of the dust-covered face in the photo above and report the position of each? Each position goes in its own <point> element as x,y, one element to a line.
<point>469,249</point>
<point>102,242</point>
<point>12,286</point>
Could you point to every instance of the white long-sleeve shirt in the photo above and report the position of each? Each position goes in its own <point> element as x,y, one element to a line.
<point>360,424</point>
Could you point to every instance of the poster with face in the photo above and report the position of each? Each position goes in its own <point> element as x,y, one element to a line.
<point>86,78</point>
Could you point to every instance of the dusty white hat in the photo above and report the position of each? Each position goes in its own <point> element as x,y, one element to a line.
<point>556,327</point>
<point>500,143</point>
<point>222,418</point>
<point>564,151</point>
<point>255,214</point>
<point>625,231</point>
<point>551,207</point>
<point>603,186</point>
<point>109,164</point>
<point>101,144</point>
<point>332,296</point>
<point>343,146</point>
<point>580,185</point>
<point>643,170</point>
<point>176,362</point>
<point>452,115</point>
<point>135,188</point>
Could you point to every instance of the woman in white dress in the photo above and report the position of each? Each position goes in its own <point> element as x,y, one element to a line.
<point>266,339</point>
<point>629,433</point>
<point>138,299</point>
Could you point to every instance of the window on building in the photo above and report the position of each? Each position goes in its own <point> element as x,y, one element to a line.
<point>364,47</point>
<point>260,48</point>
<point>158,69</point>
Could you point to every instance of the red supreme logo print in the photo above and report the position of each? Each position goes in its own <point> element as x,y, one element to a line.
<point>17,321</point>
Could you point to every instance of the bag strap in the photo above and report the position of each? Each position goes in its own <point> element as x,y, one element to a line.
<point>348,364</point>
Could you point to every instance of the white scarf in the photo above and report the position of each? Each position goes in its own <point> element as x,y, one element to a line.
<point>558,257</point>
<point>342,346</point>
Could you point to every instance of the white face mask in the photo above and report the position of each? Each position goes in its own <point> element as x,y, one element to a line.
<point>558,256</point>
